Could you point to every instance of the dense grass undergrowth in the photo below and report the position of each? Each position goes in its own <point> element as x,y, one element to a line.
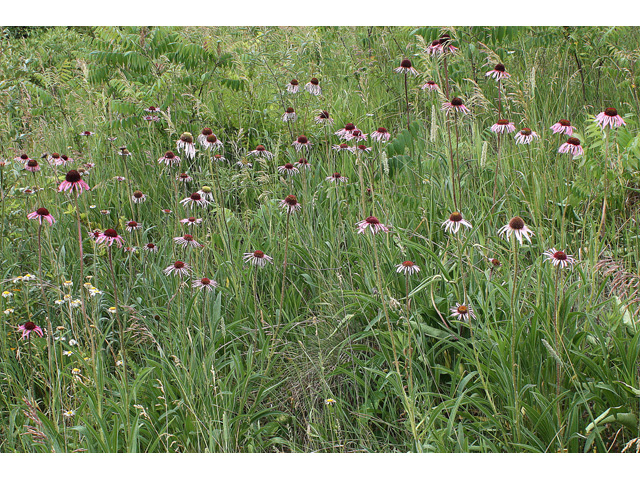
<point>233,317</point>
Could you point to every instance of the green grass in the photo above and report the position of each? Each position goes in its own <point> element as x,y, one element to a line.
<point>249,366</point>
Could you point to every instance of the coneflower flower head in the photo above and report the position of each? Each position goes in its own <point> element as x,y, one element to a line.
<point>454,222</point>
<point>313,87</point>
<point>609,118</point>
<point>572,146</point>
<point>109,236</point>
<point>303,163</point>
<point>336,177</point>
<point>32,166</point>
<point>456,104</point>
<point>169,159</point>
<point>257,258</point>
<point>372,224</point>
<point>205,132</point>
<point>302,142</point>
<point>462,312</point>
<point>518,228</point>
<point>138,197</point>
<point>430,85</point>
<point>525,136</point>
<point>211,142</point>
<point>41,213</point>
<point>324,118</point>
<point>503,126</point>
<point>288,169</point>
<point>290,204</point>
<point>73,181</point>
<point>381,135</point>
<point>133,225</point>
<point>498,73</point>
<point>348,128</point>
<point>293,86</point>
<point>562,126</point>
<point>205,283</point>
<point>186,240</point>
<point>406,67</point>
<point>261,151</point>
<point>356,135</point>
<point>289,115</point>
<point>178,268</point>
<point>185,143</point>
<point>194,198</point>
<point>343,147</point>
<point>28,328</point>
<point>559,258</point>
<point>407,267</point>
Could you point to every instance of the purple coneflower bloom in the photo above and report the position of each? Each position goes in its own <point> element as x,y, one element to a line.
<point>517,227</point>
<point>288,168</point>
<point>454,222</point>
<point>178,268</point>
<point>195,198</point>
<point>73,181</point>
<point>381,135</point>
<point>572,146</point>
<point>185,143</point>
<point>109,236</point>
<point>191,221</point>
<point>24,158</point>
<point>343,147</point>
<point>406,67</point>
<point>525,136</point>
<point>313,87</point>
<point>324,118</point>
<point>205,283</point>
<point>498,72</point>
<point>87,133</point>
<point>169,158</point>
<point>302,142</point>
<point>203,135</point>
<point>337,178</point>
<point>28,328</point>
<point>373,224</point>
<point>41,213</point>
<point>261,151</point>
<point>563,126</point>
<point>289,115</point>
<point>462,312</point>
<point>559,258</point>
<point>257,258</point>
<point>32,166</point>
<point>138,197</point>
<point>362,149</point>
<point>303,163</point>
<point>151,247</point>
<point>430,85</point>
<point>133,225</point>
<point>503,126</point>
<point>293,86</point>
<point>186,240</point>
<point>152,110</point>
<point>609,118</point>
<point>344,132</point>
<point>290,204</point>
<point>212,142</point>
<point>184,178</point>
<point>456,105</point>
<point>407,267</point>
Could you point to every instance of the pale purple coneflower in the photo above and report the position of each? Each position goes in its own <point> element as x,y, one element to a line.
<point>244,163</point>
<point>498,72</point>
<point>337,178</point>
<point>446,45</point>
<point>124,152</point>
<point>95,234</point>
<point>406,67</point>
<point>133,225</point>
<point>205,283</point>
<point>151,118</point>
<point>525,136</point>
<point>343,147</point>
<point>185,143</point>
<point>73,181</point>
<point>381,135</point>
<point>609,118</point>
<point>169,158</point>
<point>407,267</point>
<point>454,222</point>
<point>219,158</point>
<point>28,328</point>
<point>324,118</point>
<point>362,149</point>
<point>24,158</point>
<point>261,151</point>
<point>32,166</point>
<point>42,213</point>
<point>186,240</point>
<point>456,104</point>
<point>290,204</point>
<point>138,197</point>
<point>152,109</point>
<point>194,198</point>
<point>303,163</point>
<point>348,128</point>
<point>178,268</point>
<point>503,126</point>
<point>462,312</point>
<point>289,115</point>
<point>288,169</point>
<point>372,224</point>
<point>572,146</point>
<point>313,87</point>
<point>191,221</point>
<point>430,85</point>
<point>518,228</point>
<point>559,258</point>
<point>120,178</point>
<point>184,178</point>
<point>257,258</point>
<point>302,142</point>
<point>109,236</point>
<point>150,247</point>
<point>206,193</point>
<point>293,86</point>
<point>55,159</point>
<point>356,135</point>
<point>212,143</point>
<point>202,138</point>
<point>435,48</point>
<point>87,133</point>
<point>562,126</point>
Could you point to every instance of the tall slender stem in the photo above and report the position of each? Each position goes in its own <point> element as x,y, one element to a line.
<point>514,312</point>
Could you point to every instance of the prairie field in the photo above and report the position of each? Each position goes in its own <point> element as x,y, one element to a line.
<point>319,239</point>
